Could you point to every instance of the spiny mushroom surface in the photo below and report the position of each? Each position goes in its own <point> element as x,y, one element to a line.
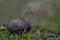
<point>17,26</point>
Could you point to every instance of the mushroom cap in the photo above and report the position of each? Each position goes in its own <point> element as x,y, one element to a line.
<point>18,25</point>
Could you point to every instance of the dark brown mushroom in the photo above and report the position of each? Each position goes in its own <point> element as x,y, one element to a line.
<point>17,26</point>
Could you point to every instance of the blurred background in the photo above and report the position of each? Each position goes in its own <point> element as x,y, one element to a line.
<point>33,10</point>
